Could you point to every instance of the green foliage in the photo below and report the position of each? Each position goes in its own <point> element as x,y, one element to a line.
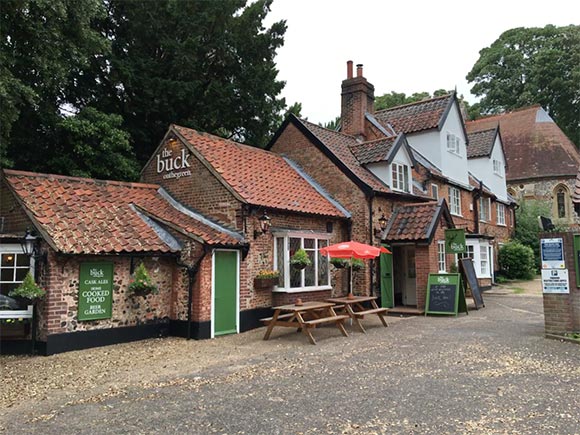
<point>527,66</point>
<point>331,125</point>
<point>141,283</point>
<point>300,259</point>
<point>527,228</point>
<point>516,261</point>
<point>357,264</point>
<point>339,263</point>
<point>28,289</point>
<point>202,64</point>
<point>453,268</point>
<point>94,145</point>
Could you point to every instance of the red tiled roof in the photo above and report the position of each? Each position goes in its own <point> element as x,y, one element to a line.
<point>533,144</point>
<point>258,176</point>
<point>422,115</point>
<point>88,216</point>
<point>414,222</point>
<point>373,151</point>
<point>341,146</point>
<point>480,143</point>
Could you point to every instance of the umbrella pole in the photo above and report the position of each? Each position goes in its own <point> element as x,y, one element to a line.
<point>350,291</point>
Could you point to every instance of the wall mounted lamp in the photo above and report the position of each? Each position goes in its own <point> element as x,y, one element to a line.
<point>383,222</point>
<point>30,248</point>
<point>265,222</point>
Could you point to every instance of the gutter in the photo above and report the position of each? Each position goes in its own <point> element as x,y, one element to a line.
<point>191,274</point>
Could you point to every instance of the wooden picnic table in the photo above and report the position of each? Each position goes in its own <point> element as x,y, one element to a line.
<point>357,311</point>
<point>305,317</point>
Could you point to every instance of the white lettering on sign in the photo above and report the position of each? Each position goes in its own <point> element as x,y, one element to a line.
<point>97,273</point>
<point>443,280</point>
<point>176,167</point>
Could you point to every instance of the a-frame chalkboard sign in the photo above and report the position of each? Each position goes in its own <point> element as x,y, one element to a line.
<point>468,274</point>
<point>445,294</point>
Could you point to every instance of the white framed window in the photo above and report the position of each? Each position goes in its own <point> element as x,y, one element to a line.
<point>500,214</point>
<point>435,191</point>
<point>453,143</point>
<point>484,209</point>
<point>441,256</point>
<point>483,260</point>
<point>400,174</point>
<point>314,277</point>
<point>455,201</point>
<point>497,168</point>
<point>14,265</point>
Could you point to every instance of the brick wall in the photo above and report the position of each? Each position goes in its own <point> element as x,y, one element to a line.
<point>562,311</point>
<point>15,220</point>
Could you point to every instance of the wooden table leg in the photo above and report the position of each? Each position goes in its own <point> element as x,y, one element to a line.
<point>381,315</point>
<point>305,329</point>
<point>355,319</point>
<point>339,323</point>
<point>271,324</point>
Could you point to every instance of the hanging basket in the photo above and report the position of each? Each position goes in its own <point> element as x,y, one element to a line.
<point>265,283</point>
<point>299,266</point>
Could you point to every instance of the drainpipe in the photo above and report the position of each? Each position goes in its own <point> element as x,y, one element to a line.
<point>191,273</point>
<point>477,195</point>
<point>372,263</point>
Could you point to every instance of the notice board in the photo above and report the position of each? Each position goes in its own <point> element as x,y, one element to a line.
<point>470,278</point>
<point>95,291</point>
<point>444,294</point>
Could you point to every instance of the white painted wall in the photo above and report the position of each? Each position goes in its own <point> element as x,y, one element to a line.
<point>428,144</point>
<point>454,166</point>
<point>482,168</point>
<point>384,172</point>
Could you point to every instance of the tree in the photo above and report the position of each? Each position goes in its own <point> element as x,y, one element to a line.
<point>527,227</point>
<point>47,48</point>
<point>331,125</point>
<point>202,64</point>
<point>527,66</point>
<point>94,145</point>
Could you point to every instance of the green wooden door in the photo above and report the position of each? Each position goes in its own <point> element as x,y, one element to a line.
<point>386,266</point>
<point>225,292</point>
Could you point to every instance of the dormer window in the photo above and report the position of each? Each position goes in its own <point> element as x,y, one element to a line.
<point>400,174</point>
<point>497,168</point>
<point>453,143</point>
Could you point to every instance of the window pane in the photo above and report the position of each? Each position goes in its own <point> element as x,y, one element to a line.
<point>7,274</point>
<point>6,288</point>
<point>280,261</point>
<point>295,274</point>
<point>309,270</point>
<point>20,274</point>
<point>22,260</point>
<point>322,264</point>
<point>8,259</point>
<point>309,244</point>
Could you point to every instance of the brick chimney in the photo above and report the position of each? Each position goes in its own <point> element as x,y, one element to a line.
<point>358,98</point>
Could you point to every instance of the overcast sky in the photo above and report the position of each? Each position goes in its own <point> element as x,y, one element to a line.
<point>405,46</point>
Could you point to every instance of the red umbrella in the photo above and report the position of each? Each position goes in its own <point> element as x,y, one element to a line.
<point>353,250</point>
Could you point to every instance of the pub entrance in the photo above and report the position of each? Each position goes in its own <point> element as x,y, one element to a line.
<point>405,276</point>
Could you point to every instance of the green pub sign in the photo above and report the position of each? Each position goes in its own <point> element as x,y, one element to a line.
<point>95,291</point>
<point>455,241</point>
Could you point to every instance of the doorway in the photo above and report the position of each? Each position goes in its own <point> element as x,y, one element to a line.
<point>405,275</point>
<point>225,289</point>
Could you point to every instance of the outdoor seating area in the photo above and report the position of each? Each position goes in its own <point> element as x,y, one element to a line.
<point>308,315</point>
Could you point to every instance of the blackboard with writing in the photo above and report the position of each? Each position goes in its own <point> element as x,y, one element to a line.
<point>443,293</point>
<point>468,273</point>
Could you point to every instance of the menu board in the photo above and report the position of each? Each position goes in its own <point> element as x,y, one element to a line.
<point>443,293</point>
<point>95,291</point>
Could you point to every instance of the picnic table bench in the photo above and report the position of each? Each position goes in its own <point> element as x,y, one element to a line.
<point>305,317</point>
<point>356,310</point>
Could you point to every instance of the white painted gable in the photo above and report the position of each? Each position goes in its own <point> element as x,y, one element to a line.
<point>482,168</point>
<point>383,170</point>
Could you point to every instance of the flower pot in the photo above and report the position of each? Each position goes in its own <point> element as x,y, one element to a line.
<point>265,283</point>
<point>143,292</point>
<point>299,266</point>
<point>24,302</point>
<point>339,265</point>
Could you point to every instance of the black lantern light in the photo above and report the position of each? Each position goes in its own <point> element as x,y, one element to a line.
<point>383,222</point>
<point>27,243</point>
<point>265,223</point>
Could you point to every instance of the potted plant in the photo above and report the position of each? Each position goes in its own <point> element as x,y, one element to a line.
<point>28,292</point>
<point>339,263</point>
<point>300,259</point>
<point>266,279</point>
<point>141,284</point>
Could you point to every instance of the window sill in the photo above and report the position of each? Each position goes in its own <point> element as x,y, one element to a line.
<point>302,289</point>
<point>501,225</point>
<point>455,214</point>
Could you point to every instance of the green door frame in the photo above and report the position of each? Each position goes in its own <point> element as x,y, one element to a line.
<point>213,293</point>
<point>386,279</point>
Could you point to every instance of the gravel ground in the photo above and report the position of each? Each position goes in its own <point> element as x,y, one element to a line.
<point>490,372</point>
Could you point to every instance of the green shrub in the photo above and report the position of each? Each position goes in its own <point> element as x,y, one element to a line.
<point>516,261</point>
<point>28,289</point>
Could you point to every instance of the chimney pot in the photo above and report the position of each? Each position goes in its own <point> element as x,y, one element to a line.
<point>359,70</point>
<point>349,69</point>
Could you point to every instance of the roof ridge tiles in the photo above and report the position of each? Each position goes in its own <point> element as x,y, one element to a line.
<point>414,103</point>
<point>132,184</point>
<point>327,129</point>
